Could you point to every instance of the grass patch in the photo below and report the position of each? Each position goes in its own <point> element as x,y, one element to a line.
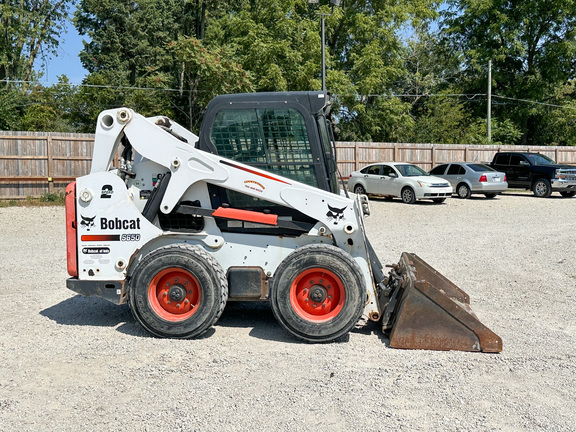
<point>46,200</point>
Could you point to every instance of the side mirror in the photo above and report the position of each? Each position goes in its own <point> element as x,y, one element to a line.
<point>524,163</point>
<point>393,175</point>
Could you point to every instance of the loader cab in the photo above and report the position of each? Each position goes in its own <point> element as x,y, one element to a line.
<point>286,134</point>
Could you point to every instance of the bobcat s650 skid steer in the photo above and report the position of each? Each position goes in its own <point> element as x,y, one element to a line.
<point>248,210</point>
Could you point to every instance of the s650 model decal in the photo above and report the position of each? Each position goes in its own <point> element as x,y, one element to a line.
<point>130,237</point>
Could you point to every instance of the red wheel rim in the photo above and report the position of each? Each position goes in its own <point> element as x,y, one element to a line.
<point>317,295</point>
<point>174,294</point>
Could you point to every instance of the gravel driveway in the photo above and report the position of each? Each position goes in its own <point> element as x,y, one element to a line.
<point>69,363</point>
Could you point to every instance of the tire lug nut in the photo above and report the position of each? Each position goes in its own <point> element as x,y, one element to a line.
<point>165,294</point>
<point>306,299</point>
<point>323,304</point>
<point>169,302</point>
<point>314,305</point>
<point>186,301</point>
<point>305,291</point>
<point>178,305</point>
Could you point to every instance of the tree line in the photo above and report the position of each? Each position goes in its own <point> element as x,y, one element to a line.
<point>400,71</point>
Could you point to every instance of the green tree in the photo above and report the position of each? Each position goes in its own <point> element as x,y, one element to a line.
<point>205,74</point>
<point>531,44</point>
<point>28,28</point>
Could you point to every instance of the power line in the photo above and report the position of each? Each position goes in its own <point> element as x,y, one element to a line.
<point>469,96</point>
<point>534,102</point>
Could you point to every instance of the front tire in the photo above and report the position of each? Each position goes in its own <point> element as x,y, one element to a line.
<point>408,196</point>
<point>178,291</point>
<point>318,293</point>
<point>490,195</point>
<point>568,194</point>
<point>463,191</point>
<point>542,188</point>
<point>439,200</point>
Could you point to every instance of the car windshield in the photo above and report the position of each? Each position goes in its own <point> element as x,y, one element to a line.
<point>411,170</point>
<point>480,167</point>
<point>540,159</point>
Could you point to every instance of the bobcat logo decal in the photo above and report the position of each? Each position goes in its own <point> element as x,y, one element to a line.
<point>335,214</point>
<point>87,222</point>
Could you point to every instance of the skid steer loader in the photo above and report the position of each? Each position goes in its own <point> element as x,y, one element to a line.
<point>248,210</point>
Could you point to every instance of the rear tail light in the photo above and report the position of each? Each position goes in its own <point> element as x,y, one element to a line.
<point>505,178</point>
<point>483,178</point>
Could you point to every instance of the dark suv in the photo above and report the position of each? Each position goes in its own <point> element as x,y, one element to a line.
<point>537,172</point>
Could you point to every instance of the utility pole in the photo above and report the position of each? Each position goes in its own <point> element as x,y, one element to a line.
<point>322,25</point>
<point>490,101</point>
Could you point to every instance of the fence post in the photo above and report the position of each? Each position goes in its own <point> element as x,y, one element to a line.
<point>50,154</point>
<point>433,156</point>
<point>356,157</point>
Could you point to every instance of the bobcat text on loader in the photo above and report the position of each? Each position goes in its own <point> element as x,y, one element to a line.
<point>248,210</point>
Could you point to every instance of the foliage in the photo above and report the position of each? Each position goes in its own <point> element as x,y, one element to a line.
<point>411,70</point>
<point>531,44</point>
<point>26,29</point>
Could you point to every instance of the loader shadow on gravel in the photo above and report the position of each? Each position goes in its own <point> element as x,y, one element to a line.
<point>94,312</point>
<point>257,316</point>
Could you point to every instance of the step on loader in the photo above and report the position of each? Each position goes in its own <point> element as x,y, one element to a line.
<point>176,225</point>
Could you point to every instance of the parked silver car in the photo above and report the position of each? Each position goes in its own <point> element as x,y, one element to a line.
<point>397,179</point>
<point>469,178</point>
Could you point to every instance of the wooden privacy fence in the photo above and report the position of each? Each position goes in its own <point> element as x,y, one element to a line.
<point>354,155</point>
<point>35,163</point>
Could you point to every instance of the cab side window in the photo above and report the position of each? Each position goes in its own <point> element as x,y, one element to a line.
<point>516,159</point>
<point>502,159</point>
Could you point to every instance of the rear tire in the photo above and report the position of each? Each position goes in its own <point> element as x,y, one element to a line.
<point>318,293</point>
<point>568,194</point>
<point>408,196</point>
<point>542,188</point>
<point>463,191</point>
<point>359,190</point>
<point>178,291</point>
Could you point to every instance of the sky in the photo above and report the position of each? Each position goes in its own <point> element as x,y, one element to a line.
<point>66,62</point>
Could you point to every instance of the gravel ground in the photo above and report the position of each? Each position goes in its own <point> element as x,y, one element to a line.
<point>70,363</point>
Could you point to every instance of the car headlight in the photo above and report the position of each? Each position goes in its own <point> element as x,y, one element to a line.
<point>424,184</point>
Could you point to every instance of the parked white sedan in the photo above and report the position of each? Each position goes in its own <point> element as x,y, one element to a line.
<point>397,179</point>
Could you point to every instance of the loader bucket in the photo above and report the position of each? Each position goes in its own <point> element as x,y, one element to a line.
<point>427,311</point>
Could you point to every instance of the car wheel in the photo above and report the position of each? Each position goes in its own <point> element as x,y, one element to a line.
<point>542,188</point>
<point>568,194</point>
<point>439,200</point>
<point>408,195</point>
<point>490,196</point>
<point>359,190</point>
<point>463,191</point>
